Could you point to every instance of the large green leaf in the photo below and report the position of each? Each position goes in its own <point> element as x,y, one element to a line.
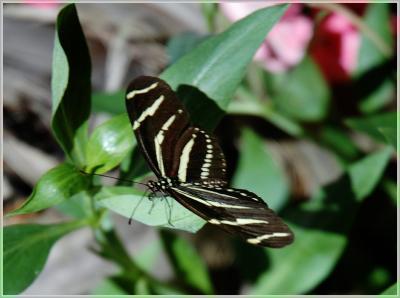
<point>54,187</point>
<point>376,126</point>
<point>26,248</point>
<point>186,262</point>
<point>70,85</point>
<point>247,104</point>
<point>181,44</point>
<point>109,144</point>
<point>163,212</point>
<point>218,64</point>
<point>78,206</point>
<point>112,103</point>
<point>258,172</point>
<point>302,93</point>
<point>320,227</point>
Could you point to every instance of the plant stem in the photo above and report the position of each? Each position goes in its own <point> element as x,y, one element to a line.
<point>113,249</point>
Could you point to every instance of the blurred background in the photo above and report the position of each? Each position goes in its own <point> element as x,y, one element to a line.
<point>353,47</point>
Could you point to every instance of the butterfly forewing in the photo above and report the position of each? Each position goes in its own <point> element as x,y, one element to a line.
<point>158,119</point>
<point>172,146</point>
<point>191,167</point>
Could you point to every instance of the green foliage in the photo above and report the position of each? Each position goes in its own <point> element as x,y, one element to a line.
<point>258,172</point>
<point>392,290</point>
<point>248,104</point>
<point>339,141</point>
<point>376,17</point>
<point>182,44</point>
<point>57,185</point>
<point>186,262</point>
<point>164,212</point>
<point>111,103</point>
<point>26,248</point>
<point>109,144</point>
<point>70,84</point>
<point>321,226</point>
<point>372,62</point>
<point>302,93</point>
<point>213,59</point>
<point>207,74</point>
<point>381,127</point>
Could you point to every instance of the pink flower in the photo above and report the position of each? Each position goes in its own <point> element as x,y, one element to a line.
<point>335,48</point>
<point>286,43</point>
<point>43,3</point>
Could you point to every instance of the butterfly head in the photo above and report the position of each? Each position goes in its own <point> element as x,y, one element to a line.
<point>161,185</point>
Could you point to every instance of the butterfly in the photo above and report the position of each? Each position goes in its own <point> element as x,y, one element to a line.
<point>191,167</point>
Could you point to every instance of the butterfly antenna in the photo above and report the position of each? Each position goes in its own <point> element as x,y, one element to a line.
<point>137,205</point>
<point>120,179</point>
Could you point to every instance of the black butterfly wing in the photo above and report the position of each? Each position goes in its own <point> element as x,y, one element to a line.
<point>237,211</point>
<point>172,146</point>
<point>158,119</point>
<point>176,149</point>
<point>199,159</point>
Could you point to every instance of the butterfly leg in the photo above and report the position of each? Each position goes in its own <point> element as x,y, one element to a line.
<point>152,197</point>
<point>137,205</point>
<point>169,207</point>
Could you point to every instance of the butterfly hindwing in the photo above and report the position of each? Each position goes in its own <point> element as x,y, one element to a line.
<point>200,158</point>
<point>237,211</point>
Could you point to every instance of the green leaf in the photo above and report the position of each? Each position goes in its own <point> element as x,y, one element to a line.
<point>26,248</point>
<point>78,206</point>
<point>382,94</point>
<point>163,212</point>
<point>259,172</point>
<point>377,18</point>
<point>248,104</point>
<point>186,262</point>
<point>373,70</point>
<point>146,258</point>
<point>133,167</point>
<point>365,174</point>
<point>392,290</point>
<point>54,187</point>
<point>70,85</point>
<point>339,141</point>
<point>112,103</point>
<point>181,44</point>
<point>218,64</point>
<point>390,134</point>
<point>373,125</point>
<point>108,287</point>
<point>320,227</point>
<point>302,93</point>
<point>109,143</point>
<point>390,188</point>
